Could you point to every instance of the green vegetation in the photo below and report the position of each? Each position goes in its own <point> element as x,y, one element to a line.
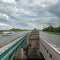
<point>1,31</point>
<point>17,29</point>
<point>53,30</point>
<point>14,29</point>
<point>54,33</point>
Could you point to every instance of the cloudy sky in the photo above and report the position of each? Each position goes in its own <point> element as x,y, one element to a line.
<point>29,14</point>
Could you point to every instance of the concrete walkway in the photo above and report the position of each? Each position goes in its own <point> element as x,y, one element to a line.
<point>35,54</point>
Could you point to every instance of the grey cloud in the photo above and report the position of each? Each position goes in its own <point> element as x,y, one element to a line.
<point>25,12</point>
<point>55,9</point>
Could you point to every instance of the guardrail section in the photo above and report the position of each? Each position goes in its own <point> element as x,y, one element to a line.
<point>8,51</point>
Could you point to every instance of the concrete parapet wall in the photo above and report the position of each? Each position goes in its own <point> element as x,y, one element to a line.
<point>48,51</point>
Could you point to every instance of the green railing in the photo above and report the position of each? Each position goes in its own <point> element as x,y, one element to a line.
<point>12,51</point>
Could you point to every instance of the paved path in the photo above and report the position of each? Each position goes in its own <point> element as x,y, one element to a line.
<point>35,54</point>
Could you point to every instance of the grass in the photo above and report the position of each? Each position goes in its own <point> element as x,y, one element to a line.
<point>57,33</point>
<point>0,32</point>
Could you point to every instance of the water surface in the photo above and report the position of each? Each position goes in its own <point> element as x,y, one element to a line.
<point>6,39</point>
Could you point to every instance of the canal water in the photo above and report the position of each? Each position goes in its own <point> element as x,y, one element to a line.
<point>51,38</point>
<point>6,39</point>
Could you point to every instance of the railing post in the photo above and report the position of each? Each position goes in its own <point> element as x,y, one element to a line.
<point>22,54</point>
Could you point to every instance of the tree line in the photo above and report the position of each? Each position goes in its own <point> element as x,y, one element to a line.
<point>17,29</point>
<point>14,29</point>
<point>52,29</point>
<point>1,31</point>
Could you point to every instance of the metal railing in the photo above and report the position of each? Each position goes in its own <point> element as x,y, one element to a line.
<point>8,52</point>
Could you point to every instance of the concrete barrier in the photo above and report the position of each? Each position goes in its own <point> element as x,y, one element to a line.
<point>48,51</point>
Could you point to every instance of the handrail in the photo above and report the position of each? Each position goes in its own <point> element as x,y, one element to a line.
<point>6,51</point>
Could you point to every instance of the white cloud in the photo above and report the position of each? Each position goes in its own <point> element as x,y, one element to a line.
<point>9,1</point>
<point>4,16</point>
<point>3,24</point>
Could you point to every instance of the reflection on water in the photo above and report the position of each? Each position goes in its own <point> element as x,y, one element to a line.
<point>51,38</point>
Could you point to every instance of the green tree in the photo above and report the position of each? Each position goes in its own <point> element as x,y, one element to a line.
<point>51,28</point>
<point>15,29</point>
